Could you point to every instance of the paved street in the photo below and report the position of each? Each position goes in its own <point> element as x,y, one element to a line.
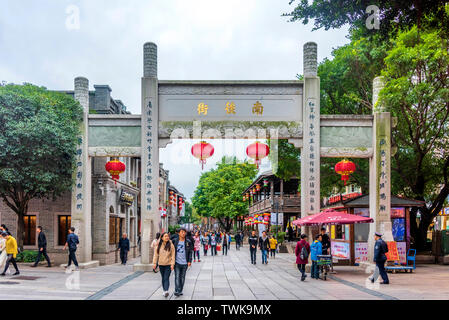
<point>225,277</point>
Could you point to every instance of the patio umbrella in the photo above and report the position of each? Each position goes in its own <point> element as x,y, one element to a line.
<point>330,216</point>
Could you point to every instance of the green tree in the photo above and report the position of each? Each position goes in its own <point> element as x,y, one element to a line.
<point>394,14</point>
<point>219,191</point>
<point>417,93</point>
<point>39,135</point>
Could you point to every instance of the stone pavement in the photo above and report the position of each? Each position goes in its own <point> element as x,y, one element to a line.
<point>230,277</point>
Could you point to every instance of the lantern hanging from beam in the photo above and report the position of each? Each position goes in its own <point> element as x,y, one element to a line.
<point>115,167</point>
<point>257,151</point>
<point>265,182</point>
<point>345,168</point>
<point>202,151</point>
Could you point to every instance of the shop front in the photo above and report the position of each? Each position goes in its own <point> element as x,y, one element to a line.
<point>349,243</point>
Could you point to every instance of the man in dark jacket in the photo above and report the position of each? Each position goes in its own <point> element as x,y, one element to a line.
<point>71,243</point>
<point>253,242</point>
<point>123,246</point>
<point>237,241</point>
<point>380,249</point>
<point>42,247</point>
<point>183,259</point>
<point>325,241</point>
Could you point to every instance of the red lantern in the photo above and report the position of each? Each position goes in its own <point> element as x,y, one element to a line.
<point>257,187</point>
<point>115,167</point>
<point>202,151</point>
<point>345,168</point>
<point>265,182</point>
<point>257,151</point>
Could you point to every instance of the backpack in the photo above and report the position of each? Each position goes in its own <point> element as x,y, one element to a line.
<point>304,254</point>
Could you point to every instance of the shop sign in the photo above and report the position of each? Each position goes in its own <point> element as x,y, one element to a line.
<point>397,213</point>
<point>126,198</point>
<point>444,212</point>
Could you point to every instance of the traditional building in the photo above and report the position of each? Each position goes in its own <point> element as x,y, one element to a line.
<point>115,203</point>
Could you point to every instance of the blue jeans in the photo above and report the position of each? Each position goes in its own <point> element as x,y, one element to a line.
<point>165,273</point>
<point>180,276</point>
<point>264,256</point>
<point>225,250</point>
<point>315,270</point>
<point>253,254</point>
<point>196,254</point>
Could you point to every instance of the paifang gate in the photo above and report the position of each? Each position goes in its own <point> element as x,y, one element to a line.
<point>229,110</point>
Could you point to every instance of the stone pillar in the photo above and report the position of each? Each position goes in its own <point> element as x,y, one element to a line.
<point>81,193</point>
<point>150,156</point>
<point>380,171</point>
<point>310,153</point>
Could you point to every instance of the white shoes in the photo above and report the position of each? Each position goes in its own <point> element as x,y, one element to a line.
<point>165,294</point>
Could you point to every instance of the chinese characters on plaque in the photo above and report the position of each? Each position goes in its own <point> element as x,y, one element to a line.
<point>383,177</point>
<point>312,154</point>
<point>230,107</point>
<point>149,137</point>
<point>79,176</point>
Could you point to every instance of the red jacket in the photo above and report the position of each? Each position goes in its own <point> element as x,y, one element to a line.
<point>298,249</point>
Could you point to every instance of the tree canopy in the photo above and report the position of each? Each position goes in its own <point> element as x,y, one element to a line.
<point>39,135</point>
<point>219,191</point>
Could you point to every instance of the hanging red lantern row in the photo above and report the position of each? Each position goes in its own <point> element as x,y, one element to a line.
<point>257,151</point>
<point>115,167</point>
<point>202,151</point>
<point>345,168</point>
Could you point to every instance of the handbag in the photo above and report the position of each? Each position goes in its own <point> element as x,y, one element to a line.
<point>304,253</point>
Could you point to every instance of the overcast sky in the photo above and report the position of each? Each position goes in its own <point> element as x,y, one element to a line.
<point>41,42</point>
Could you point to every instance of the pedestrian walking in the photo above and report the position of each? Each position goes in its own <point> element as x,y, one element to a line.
<point>11,253</point>
<point>273,246</point>
<point>237,241</point>
<point>196,247</point>
<point>3,228</point>
<point>3,255</point>
<point>213,244</point>
<point>253,241</point>
<point>42,247</point>
<point>290,233</point>
<point>242,238</point>
<point>183,260</point>
<point>316,249</point>
<point>205,243</point>
<point>71,243</point>
<point>229,241</point>
<point>155,241</point>
<point>302,252</point>
<point>325,241</point>
<point>264,245</point>
<point>380,249</point>
<point>224,244</point>
<point>164,257</point>
<point>123,246</point>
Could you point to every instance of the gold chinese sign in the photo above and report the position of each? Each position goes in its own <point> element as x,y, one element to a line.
<point>230,108</point>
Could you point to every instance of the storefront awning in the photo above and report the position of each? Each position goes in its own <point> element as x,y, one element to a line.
<point>330,216</point>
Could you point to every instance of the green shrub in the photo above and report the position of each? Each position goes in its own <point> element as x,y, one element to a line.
<point>172,229</point>
<point>28,256</point>
<point>281,237</point>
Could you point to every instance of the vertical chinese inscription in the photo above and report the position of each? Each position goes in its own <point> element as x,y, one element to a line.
<point>79,176</point>
<point>383,176</point>
<point>312,155</point>
<point>149,138</point>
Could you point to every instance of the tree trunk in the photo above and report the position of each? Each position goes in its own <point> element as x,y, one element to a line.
<point>20,229</point>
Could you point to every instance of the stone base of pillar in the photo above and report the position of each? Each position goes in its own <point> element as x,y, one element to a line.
<point>84,265</point>
<point>143,267</point>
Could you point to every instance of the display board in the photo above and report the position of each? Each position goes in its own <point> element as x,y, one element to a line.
<point>392,254</point>
<point>360,252</point>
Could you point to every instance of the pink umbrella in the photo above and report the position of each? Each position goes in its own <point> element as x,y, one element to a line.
<point>330,216</point>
